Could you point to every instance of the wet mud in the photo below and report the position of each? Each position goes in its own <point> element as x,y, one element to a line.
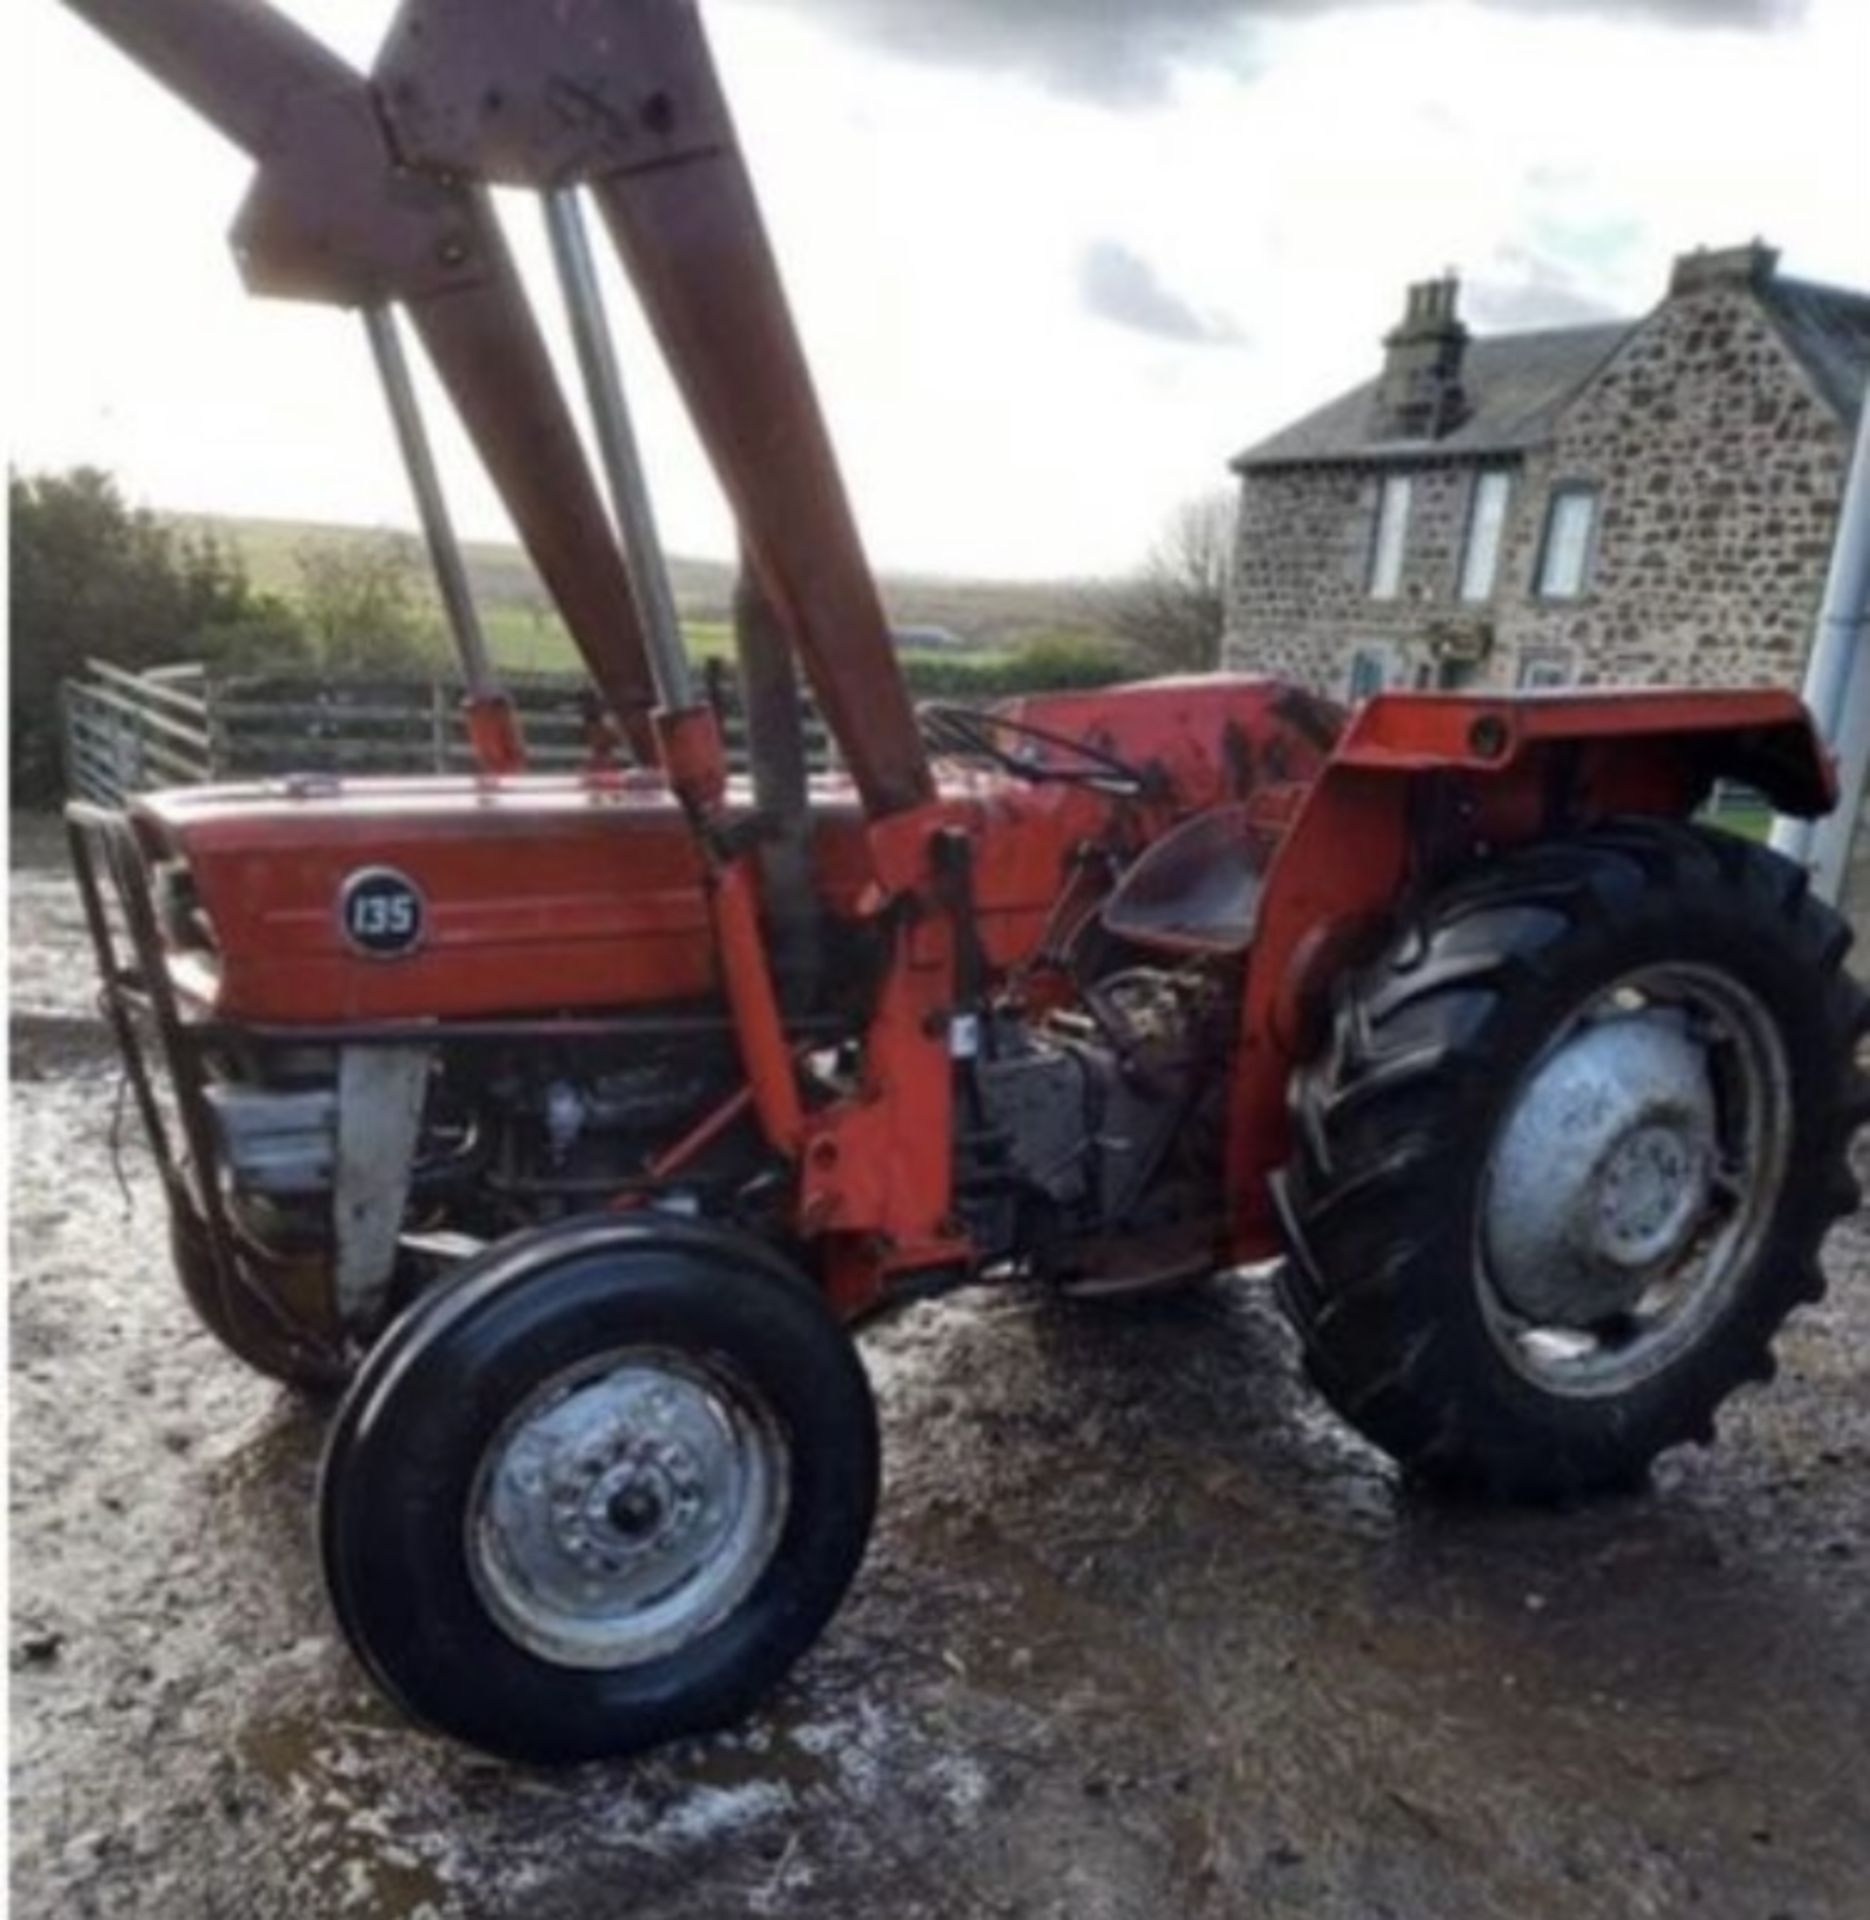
<point>1143,1631</point>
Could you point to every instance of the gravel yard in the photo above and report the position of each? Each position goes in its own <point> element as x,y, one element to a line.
<point>1142,1632</point>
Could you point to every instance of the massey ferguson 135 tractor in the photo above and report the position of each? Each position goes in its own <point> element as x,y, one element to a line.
<point>569,1123</point>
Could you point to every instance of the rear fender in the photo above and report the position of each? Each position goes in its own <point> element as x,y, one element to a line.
<point>1422,783</point>
<point>1666,741</point>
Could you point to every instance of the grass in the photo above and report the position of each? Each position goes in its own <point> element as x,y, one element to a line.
<point>1746,819</point>
<point>995,620</point>
<point>986,615</point>
<point>499,572</point>
<point>525,640</point>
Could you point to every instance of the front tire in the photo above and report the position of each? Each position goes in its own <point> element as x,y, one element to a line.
<point>600,1490</point>
<point>1566,1164</point>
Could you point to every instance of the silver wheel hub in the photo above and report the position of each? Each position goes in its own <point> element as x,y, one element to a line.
<point>627,1506</point>
<point>1650,1191</point>
<point>1632,1179</point>
<point>1602,1170</point>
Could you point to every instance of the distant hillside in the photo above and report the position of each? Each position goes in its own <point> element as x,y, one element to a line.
<point>986,616</point>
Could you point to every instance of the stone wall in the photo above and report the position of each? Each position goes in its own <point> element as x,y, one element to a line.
<point>1301,591</point>
<point>1719,473</point>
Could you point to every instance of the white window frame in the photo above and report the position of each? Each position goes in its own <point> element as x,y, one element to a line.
<point>1543,672</point>
<point>1571,586</point>
<point>1489,501</point>
<point>1389,537</point>
<point>1382,656</point>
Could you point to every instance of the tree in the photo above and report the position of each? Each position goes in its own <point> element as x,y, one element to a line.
<point>94,577</point>
<point>365,606</point>
<point>1172,611</point>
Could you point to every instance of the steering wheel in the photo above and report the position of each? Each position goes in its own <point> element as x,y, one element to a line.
<point>974,730</point>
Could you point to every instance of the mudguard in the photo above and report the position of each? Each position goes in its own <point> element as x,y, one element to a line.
<point>1421,781</point>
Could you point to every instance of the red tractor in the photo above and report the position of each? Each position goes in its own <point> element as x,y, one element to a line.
<point>569,1124</point>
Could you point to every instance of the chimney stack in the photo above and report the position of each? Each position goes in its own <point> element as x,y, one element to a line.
<point>1419,396</point>
<point>1749,268</point>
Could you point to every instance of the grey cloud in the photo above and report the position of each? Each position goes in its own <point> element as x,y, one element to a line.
<point>1119,285</point>
<point>1119,50</point>
<point>1746,14</point>
<point>1533,293</point>
<point>1122,51</point>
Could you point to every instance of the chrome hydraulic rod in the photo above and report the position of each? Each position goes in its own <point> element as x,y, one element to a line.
<point>623,97</point>
<point>618,450</point>
<point>457,595</point>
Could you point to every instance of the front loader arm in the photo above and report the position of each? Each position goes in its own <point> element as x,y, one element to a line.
<point>373,192</point>
<point>334,215</point>
<point>487,348</point>
<point>623,96</point>
<point>241,64</point>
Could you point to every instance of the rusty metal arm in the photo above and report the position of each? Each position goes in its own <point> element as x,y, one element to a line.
<point>487,348</point>
<point>239,63</point>
<point>334,215</point>
<point>622,95</point>
<point>770,708</point>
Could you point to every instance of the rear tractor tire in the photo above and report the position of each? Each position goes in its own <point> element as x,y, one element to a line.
<point>1566,1163</point>
<point>599,1490</point>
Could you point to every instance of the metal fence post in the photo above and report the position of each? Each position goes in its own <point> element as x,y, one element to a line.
<point>214,725</point>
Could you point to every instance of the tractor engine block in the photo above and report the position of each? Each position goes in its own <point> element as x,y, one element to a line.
<point>1088,1123</point>
<point>505,1137</point>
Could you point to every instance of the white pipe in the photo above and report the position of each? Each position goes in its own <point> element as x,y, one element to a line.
<point>1833,836</point>
<point>1837,681</point>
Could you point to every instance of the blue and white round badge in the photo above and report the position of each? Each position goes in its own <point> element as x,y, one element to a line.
<point>382,913</point>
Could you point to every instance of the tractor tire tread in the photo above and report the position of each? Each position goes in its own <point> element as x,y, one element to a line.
<point>1384,1128</point>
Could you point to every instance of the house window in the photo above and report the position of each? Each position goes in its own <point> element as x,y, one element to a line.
<point>1486,522</point>
<point>1565,559</point>
<point>1386,549</point>
<point>1545,670</point>
<point>1372,669</point>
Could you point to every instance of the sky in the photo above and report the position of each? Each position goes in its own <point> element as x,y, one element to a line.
<point>1053,262</point>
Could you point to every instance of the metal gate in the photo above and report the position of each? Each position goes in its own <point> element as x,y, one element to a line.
<point>128,731</point>
<point>179,726</point>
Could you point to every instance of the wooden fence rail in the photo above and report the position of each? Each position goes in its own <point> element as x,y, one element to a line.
<point>125,732</point>
<point>180,725</point>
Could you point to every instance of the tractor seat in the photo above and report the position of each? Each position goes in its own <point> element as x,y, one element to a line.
<point>1197,890</point>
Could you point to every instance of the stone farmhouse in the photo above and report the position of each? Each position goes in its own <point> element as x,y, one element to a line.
<point>1637,502</point>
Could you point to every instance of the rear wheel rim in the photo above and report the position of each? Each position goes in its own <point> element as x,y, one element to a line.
<point>626,1507</point>
<point>1632,1180</point>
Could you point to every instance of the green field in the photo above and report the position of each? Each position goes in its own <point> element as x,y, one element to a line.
<point>991,620</point>
<point>1748,819</point>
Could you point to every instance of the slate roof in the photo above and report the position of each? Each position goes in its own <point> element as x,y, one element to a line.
<point>1517,382</point>
<point>1829,329</point>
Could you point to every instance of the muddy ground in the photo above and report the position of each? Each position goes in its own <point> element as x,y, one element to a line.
<point>1142,1632</point>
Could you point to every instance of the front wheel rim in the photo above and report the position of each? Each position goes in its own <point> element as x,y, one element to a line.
<point>1632,1180</point>
<point>627,1506</point>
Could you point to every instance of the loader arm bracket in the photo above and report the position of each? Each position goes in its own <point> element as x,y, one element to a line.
<point>585,89</point>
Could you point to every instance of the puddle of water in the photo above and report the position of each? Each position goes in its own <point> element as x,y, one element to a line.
<point>342,1854</point>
